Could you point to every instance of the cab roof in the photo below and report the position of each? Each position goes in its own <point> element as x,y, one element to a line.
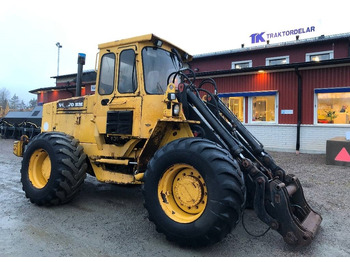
<point>144,38</point>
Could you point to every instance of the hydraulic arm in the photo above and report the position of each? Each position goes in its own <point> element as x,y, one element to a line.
<point>277,197</point>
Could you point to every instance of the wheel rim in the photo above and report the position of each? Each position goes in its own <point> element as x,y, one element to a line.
<point>182,193</point>
<point>39,168</point>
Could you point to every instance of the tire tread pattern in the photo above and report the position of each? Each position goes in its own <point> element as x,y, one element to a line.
<point>230,183</point>
<point>69,174</point>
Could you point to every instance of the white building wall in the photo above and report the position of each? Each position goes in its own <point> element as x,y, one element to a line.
<point>282,138</point>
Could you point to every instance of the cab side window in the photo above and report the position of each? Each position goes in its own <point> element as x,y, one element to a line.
<point>127,82</point>
<point>106,83</point>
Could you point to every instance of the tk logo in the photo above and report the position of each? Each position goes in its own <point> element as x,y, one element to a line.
<point>257,38</point>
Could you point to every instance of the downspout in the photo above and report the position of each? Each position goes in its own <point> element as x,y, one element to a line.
<point>300,91</point>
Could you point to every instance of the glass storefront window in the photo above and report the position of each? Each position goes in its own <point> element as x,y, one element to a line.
<point>226,101</point>
<point>333,108</point>
<point>236,105</point>
<point>263,108</point>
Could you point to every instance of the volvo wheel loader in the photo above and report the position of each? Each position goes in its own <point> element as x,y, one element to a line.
<point>152,122</point>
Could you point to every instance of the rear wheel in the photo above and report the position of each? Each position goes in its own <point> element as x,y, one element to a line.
<point>53,168</point>
<point>194,191</point>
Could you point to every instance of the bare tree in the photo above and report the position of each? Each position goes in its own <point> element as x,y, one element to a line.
<point>4,97</point>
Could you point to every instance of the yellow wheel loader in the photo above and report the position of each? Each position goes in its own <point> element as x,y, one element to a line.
<point>152,123</point>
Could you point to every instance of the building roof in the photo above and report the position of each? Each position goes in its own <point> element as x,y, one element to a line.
<point>88,71</point>
<point>89,77</point>
<point>52,88</point>
<point>321,38</point>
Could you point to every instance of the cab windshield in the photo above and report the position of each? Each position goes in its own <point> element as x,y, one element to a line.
<point>158,64</point>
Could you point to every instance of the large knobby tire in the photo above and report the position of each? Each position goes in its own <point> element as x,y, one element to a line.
<point>53,168</point>
<point>194,192</point>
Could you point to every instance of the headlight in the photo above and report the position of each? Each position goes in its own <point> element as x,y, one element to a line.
<point>176,109</point>
<point>171,96</point>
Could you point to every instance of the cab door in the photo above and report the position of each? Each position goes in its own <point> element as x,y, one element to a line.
<point>124,115</point>
<point>105,89</point>
<point>119,105</point>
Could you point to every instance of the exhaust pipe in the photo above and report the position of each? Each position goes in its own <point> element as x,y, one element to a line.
<point>81,62</point>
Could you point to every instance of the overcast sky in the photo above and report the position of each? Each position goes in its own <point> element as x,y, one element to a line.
<point>29,30</point>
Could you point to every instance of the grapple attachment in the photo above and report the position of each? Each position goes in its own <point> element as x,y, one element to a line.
<point>278,198</point>
<point>283,207</point>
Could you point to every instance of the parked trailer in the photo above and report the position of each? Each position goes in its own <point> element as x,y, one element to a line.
<point>16,124</point>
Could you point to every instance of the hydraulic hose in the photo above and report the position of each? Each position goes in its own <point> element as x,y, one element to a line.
<point>224,134</point>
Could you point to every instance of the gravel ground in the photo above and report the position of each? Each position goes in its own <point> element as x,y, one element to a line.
<point>109,220</point>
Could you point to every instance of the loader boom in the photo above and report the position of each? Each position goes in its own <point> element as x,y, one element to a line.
<point>277,197</point>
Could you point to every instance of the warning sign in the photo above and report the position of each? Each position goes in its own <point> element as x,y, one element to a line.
<point>337,151</point>
<point>343,156</point>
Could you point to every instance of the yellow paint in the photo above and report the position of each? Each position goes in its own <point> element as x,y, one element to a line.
<point>139,176</point>
<point>39,168</point>
<point>153,123</point>
<point>182,193</point>
<point>17,148</point>
<point>107,176</point>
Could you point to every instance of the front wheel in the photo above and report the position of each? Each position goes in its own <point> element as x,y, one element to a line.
<point>194,191</point>
<point>53,168</point>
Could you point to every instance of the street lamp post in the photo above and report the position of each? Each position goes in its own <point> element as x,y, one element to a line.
<point>58,57</point>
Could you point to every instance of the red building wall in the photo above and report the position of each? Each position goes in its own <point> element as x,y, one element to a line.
<point>286,84</point>
<point>56,94</point>
<point>296,54</point>
<point>331,77</point>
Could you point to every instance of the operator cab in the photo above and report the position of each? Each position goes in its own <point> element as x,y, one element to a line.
<point>123,71</point>
<point>131,84</point>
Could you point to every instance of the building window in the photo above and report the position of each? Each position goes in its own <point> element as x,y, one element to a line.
<point>262,106</point>
<point>280,60</point>
<point>333,106</point>
<point>319,56</point>
<point>241,64</point>
<point>236,105</point>
<point>262,109</point>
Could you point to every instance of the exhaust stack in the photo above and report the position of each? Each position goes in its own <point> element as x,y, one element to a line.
<point>81,62</point>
